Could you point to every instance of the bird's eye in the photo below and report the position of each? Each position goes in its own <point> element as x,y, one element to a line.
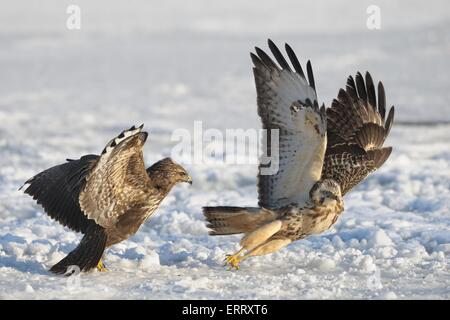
<point>183,173</point>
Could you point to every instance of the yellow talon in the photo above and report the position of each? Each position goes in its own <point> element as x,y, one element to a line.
<point>233,261</point>
<point>101,267</point>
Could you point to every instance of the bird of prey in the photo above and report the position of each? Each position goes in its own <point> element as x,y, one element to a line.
<point>105,197</point>
<point>323,154</point>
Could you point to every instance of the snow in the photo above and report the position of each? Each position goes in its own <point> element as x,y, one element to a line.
<point>67,93</point>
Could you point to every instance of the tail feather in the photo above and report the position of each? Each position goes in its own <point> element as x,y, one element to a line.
<point>234,220</point>
<point>87,254</point>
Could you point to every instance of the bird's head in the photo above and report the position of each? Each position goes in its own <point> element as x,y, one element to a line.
<point>326,193</point>
<point>166,173</point>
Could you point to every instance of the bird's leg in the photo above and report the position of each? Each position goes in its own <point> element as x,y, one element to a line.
<point>101,266</point>
<point>251,241</point>
<point>268,247</point>
<point>260,235</point>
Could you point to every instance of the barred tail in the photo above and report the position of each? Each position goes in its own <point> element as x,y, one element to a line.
<point>87,254</point>
<point>233,220</point>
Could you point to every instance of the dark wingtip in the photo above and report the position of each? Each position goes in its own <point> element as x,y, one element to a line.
<point>294,60</point>
<point>29,181</point>
<point>309,70</point>
<point>370,90</point>
<point>278,55</point>
<point>265,58</point>
<point>255,59</point>
<point>360,86</point>
<point>351,82</point>
<point>389,120</point>
<point>381,101</point>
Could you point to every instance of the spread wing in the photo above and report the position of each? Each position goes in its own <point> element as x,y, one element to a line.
<point>356,131</point>
<point>118,179</point>
<point>288,102</point>
<point>57,189</point>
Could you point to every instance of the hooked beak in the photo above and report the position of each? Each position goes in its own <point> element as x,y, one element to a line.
<point>334,197</point>
<point>328,199</point>
<point>189,180</point>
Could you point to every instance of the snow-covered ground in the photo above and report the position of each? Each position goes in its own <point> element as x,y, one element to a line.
<point>66,93</point>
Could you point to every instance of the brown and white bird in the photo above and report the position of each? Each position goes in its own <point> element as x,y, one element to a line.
<point>106,197</point>
<point>323,154</point>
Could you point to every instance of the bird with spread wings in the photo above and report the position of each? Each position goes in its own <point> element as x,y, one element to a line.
<point>323,153</point>
<point>106,197</point>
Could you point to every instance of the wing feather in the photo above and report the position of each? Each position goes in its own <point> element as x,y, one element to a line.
<point>309,70</point>
<point>57,189</point>
<point>381,101</point>
<point>295,63</point>
<point>356,130</point>
<point>117,180</point>
<point>287,102</point>
<point>360,86</point>
<point>279,56</point>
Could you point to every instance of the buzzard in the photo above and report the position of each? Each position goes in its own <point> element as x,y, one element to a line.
<point>323,154</point>
<point>105,197</point>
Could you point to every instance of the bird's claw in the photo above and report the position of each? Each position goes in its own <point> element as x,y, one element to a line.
<point>101,267</point>
<point>232,261</point>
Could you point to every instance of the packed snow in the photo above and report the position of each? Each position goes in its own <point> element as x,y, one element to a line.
<point>65,93</point>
